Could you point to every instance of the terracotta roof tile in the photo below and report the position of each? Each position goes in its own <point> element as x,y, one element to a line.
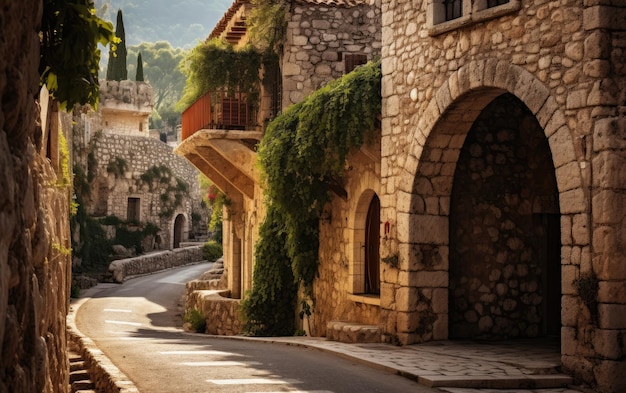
<point>221,25</point>
<point>335,3</point>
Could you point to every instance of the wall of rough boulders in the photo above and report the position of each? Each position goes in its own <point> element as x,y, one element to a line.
<point>318,38</point>
<point>34,221</point>
<point>123,269</point>
<point>126,106</point>
<point>498,261</point>
<point>220,311</point>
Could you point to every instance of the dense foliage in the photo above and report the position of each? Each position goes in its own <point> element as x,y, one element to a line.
<point>217,65</point>
<point>267,24</point>
<point>160,69</point>
<point>212,251</point>
<point>70,34</point>
<point>117,69</point>
<point>269,308</point>
<point>305,149</point>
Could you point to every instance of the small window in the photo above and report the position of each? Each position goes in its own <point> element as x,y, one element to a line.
<point>133,209</point>
<point>495,3</point>
<point>454,9</point>
<point>351,61</point>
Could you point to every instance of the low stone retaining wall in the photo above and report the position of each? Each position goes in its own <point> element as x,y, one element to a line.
<point>102,372</point>
<point>220,312</point>
<point>123,269</point>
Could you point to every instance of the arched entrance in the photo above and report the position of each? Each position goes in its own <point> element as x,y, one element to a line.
<point>504,258</point>
<point>425,190</point>
<point>179,225</point>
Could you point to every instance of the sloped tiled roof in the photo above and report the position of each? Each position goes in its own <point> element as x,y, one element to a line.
<point>228,15</point>
<point>237,4</point>
<point>335,3</point>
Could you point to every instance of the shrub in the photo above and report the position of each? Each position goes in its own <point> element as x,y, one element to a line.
<point>211,251</point>
<point>195,318</point>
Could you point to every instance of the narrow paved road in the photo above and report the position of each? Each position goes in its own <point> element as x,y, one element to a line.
<point>136,325</point>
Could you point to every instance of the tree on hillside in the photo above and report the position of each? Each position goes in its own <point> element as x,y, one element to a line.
<point>160,69</point>
<point>116,69</point>
<point>139,73</point>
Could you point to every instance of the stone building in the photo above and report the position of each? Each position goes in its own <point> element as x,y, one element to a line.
<point>136,177</point>
<point>35,258</point>
<point>496,186</point>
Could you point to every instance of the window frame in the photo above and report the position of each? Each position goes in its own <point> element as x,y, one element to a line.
<point>474,11</point>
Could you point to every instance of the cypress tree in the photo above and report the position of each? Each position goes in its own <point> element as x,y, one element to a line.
<point>116,69</point>
<point>139,75</point>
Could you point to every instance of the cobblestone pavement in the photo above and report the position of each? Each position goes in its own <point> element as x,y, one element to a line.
<point>521,366</point>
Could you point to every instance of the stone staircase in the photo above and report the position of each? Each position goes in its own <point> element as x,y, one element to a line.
<point>80,380</point>
<point>351,332</point>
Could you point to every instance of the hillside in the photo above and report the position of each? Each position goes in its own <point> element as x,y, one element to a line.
<point>181,22</point>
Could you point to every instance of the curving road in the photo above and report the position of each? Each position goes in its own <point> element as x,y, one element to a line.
<point>136,324</point>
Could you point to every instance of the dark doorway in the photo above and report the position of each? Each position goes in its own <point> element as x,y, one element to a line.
<point>504,272</point>
<point>179,224</point>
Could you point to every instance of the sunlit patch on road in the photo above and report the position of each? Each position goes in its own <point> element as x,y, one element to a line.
<point>218,363</point>
<point>117,310</point>
<point>254,381</point>
<point>122,323</point>
<point>206,352</point>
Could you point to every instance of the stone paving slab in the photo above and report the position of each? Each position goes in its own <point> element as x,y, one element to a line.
<point>523,364</point>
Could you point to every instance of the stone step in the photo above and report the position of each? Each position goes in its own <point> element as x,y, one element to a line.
<point>77,365</point>
<point>79,375</point>
<point>351,332</point>
<point>87,385</point>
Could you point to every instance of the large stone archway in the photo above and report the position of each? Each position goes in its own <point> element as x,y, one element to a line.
<point>424,193</point>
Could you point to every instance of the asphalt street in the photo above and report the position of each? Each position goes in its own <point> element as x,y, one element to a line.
<point>138,326</point>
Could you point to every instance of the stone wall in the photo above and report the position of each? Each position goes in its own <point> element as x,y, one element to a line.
<point>123,269</point>
<point>319,37</point>
<point>338,290</point>
<point>34,221</point>
<point>221,312</point>
<point>139,154</point>
<point>126,106</point>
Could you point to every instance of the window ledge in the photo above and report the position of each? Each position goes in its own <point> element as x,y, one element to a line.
<point>475,17</point>
<point>374,300</point>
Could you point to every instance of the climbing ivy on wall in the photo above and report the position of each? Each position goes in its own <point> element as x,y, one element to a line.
<point>302,152</point>
<point>269,308</point>
<point>174,188</point>
<point>217,65</point>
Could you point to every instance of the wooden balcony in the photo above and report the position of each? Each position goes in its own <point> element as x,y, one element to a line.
<point>218,110</point>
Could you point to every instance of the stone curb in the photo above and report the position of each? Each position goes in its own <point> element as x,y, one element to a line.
<point>106,376</point>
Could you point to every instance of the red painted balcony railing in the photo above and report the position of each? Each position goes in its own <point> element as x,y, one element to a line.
<point>217,110</point>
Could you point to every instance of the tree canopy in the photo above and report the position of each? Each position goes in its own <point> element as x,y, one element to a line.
<point>70,58</point>
<point>160,69</point>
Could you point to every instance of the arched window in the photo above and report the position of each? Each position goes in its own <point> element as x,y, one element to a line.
<point>372,247</point>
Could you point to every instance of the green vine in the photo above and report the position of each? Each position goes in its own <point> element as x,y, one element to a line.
<point>117,167</point>
<point>303,150</point>
<point>70,58</point>
<point>217,65</point>
<point>172,196</point>
<point>268,309</point>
